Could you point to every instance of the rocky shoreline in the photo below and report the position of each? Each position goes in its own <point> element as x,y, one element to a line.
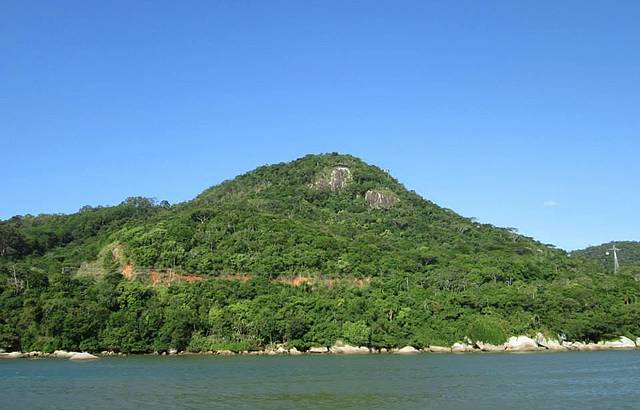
<point>515,344</point>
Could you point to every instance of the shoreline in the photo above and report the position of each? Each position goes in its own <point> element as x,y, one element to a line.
<point>515,344</point>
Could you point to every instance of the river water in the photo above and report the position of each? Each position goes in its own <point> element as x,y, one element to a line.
<point>532,380</point>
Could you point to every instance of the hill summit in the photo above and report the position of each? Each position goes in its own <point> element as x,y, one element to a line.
<point>325,215</point>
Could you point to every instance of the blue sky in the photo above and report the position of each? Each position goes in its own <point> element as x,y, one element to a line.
<point>521,114</point>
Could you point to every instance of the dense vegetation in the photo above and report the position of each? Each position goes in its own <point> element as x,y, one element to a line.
<point>389,273</point>
<point>628,254</point>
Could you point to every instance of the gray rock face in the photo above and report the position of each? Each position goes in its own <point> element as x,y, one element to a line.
<point>340,177</point>
<point>337,179</point>
<point>380,198</point>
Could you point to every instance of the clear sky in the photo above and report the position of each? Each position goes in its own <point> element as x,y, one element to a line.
<point>521,114</point>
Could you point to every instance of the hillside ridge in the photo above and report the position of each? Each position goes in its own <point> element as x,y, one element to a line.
<point>303,253</point>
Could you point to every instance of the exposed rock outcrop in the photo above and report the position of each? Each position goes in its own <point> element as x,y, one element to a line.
<point>439,349</point>
<point>62,354</point>
<point>380,198</point>
<point>83,356</point>
<point>11,355</point>
<point>521,344</point>
<point>488,347</point>
<point>340,348</point>
<point>34,354</point>
<point>621,343</point>
<point>278,349</point>
<point>549,344</point>
<point>573,345</point>
<point>318,349</point>
<point>460,347</point>
<point>584,347</point>
<point>335,180</point>
<point>590,347</point>
<point>408,350</point>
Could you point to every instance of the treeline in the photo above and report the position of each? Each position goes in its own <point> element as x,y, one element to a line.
<point>61,312</point>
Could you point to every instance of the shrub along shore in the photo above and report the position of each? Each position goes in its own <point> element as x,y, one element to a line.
<point>539,343</point>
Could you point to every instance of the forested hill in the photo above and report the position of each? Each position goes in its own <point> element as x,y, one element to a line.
<point>321,215</point>
<point>307,252</point>
<point>628,254</point>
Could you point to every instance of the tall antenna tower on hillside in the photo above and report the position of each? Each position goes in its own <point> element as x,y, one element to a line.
<point>614,250</point>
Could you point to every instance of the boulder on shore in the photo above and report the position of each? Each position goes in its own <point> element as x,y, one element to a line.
<point>590,347</point>
<point>341,348</point>
<point>460,347</point>
<point>83,356</point>
<point>521,344</point>
<point>572,345</point>
<point>63,354</point>
<point>439,349</point>
<point>488,347</point>
<point>12,355</point>
<point>319,349</point>
<point>408,350</point>
<point>621,343</point>
<point>549,344</point>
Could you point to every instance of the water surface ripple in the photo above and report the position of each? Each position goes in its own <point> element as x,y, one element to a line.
<point>535,380</point>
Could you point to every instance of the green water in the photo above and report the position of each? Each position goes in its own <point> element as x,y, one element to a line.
<point>539,380</point>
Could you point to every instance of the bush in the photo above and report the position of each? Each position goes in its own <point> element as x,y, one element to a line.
<point>201,343</point>
<point>357,333</point>
<point>487,329</point>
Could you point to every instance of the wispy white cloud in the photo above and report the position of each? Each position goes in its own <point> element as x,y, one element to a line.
<point>550,204</point>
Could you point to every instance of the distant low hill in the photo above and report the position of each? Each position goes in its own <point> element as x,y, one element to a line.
<point>629,254</point>
<point>304,253</point>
